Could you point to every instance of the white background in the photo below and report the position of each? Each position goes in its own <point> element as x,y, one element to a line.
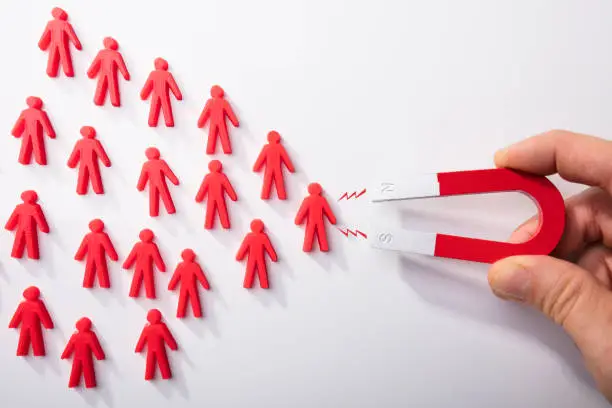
<point>360,91</point>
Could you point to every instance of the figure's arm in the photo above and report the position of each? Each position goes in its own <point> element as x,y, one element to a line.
<point>261,159</point>
<point>244,247</point>
<point>168,338</point>
<point>270,249</point>
<point>170,174</point>
<point>327,211</point>
<point>129,261</point>
<point>80,254</point>
<point>142,180</point>
<point>174,88</point>
<point>302,213</point>
<point>96,347</point>
<point>122,67</point>
<point>19,127</point>
<point>202,278</point>
<point>73,37</point>
<point>12,221</point>
<point>202,191</point>
<point>75,156</point>
<point>159,262</point>
<point>45,39</point>
<point>69,348</point>
<point>16,320</point>
<point>230,113</point>
<point>147,88</point>
<point>46,124</point>
<point>229,189</point>
<point>45,317</point>
<point>285,159</point>
<point>176,277</point>
<point>95,66</point>
<point>141,341</point>
<point>109,248</point>
<point>205,114</point>
<point>40,219</point>
<point>99,149</point>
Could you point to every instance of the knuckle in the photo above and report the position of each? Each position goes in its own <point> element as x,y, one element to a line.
<point>561,301</point>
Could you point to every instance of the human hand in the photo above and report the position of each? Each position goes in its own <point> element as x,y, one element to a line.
<point>573,286</point>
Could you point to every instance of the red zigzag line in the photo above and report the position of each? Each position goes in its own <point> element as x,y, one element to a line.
<point>353,233</point>
<point>354,194</point>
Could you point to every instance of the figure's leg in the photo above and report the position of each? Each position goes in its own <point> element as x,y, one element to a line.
<point>153,200</point>
<point>224,136</point>
<point>90,270</point>
<point>149,283</point>
<point>83,179</point>
<point>151,363</point>
<point>53,61</point>
<point>309,236</point>
<point>136,283</point>
<point>18,244</point>
<point>250,272</point>
<point>101,89</point>
<point>279,183</point>
<point>211,208</point>
<point>164,365</point>
<point>102,270</point>
<point>23,346</point>
<point>88,373</point>
<point>322,237</point>
<point>262,273</point>
<point>38,344</point>
<point>32,245</point>
<point>211,146</point>
<point>223,213</point>
<point>267,185</point>
<point>167,110</point>
<point>75,373</point>
<point>25,153</point>
<point>66,59</point>
<point>154,111</point>
<point>182,302</point>
<point>96,178</point>
<point>196,307</point>
<point>167,199</point>
<point>40,154</point>
<point>114,89</point>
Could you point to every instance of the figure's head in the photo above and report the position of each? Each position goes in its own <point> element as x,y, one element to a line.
<point>161,64</point>
<point>59,14</point>
<point>216,91</point>
<point>274,137</point>
<point>152,153</point>
<point>96,225</point>
<point>314,189</point>
<point>188,255</point>
<point>146,235</point>
<point>215,166</point>
<point>29,197</point>
<point>34,102</point>
<point>257,226</point>
<point>88,132</point>
<point>31,293</point>
<point>154,316</point>
<point>83,324</point>
<point>110,44</point>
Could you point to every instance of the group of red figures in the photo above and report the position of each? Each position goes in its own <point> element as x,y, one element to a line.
<point>28,218</point>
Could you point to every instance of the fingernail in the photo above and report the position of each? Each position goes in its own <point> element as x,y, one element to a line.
<point>510,280</point>
<point>500,156</point>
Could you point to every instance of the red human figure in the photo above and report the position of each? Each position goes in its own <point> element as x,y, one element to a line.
<point>87,152</point>
<point>155,171</point>
<point>143,256</point>
<point>82,345</point>
<point>254,247</point>
<point>56,38</point>
<point>216,109</point>
<point>96,245</point>
<point>273,156</point>
<point>26,220</point>
<point>313,211</point>
<point>159,84</point>
<point>105,67</point>
<point>155,336</point>
<point>30,125</point>
<point>188,273</point>
<point>31,314</point>
<point>214,187</point>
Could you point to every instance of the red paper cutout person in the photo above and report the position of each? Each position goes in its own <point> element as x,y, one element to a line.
<point>31,125</point>
<point>155,336</point>
<point>273,156</point>
<point>143,256</point>
<point>31,314</point>
<point>27,218</point>
<point>96,245</point>
<point>255,246</point>
<point>155,171</point>
<point>105,67</point>
<point>217,109</point>
<point>188,273</point>
<point>313,211</point>
<point>56,38</point>
<point>159,84</point>
<point>83,344</point>
<point>214,187</point>
<point>87,151</point>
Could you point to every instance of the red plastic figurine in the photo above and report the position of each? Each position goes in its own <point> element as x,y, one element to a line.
<point>214,187</point>
<point>313,211</point>
<point>144,254</point>
<point>56,38</point>
<point>87,152</point>
<point>83,344</point>
<point>105,67</point>
<point>273,156</point>
<point>216,109</point>
<point>188,273</point>
<point>155,336</point>
<point>155,171</point>
<point>159,84</point>
<point>255,247</point>
<point>26,220</point>
<point>96,245</point>
<point>30,125</point>
<point>31,314</point>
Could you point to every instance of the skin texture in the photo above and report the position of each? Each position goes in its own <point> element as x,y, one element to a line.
<point>573,286</point>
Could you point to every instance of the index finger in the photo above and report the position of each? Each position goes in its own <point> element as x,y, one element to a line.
<point>576,157</point>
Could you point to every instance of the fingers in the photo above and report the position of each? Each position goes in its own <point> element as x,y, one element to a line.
<point>576,157</point>
<point>569,296</point>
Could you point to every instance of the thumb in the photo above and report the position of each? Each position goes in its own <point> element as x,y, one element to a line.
<point>568,295</point>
